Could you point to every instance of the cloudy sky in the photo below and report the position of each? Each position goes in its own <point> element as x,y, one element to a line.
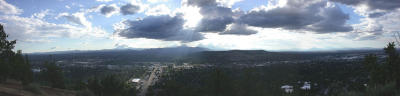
<point>277,25</point>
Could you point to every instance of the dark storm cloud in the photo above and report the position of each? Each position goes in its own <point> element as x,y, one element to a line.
<point>215,18</point>
<point>376,14</point>
<point>202,3</point>
<point>334,20</point>
<point>107,10</point>
<point>373,4</point>
<point>161,27</point>
<point>314,16</point>
<point>129,9</point>
<point>239,29</point>
<point>213,24</point>
<point>288,18</point>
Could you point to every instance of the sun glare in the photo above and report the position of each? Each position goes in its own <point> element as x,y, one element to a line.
<point>191,15</point>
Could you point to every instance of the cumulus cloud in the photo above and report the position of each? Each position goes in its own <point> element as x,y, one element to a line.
<point>76,18</point>
<point>108,10</point>
<point>374,28</point>
<point>334,20</point>
<point>7,8</point>
<point>68,7</point>
<point>227,3</point>
<point>130,9</point>
<point>36,30</point>
<point>201,3</point>
<point>373,4</point>
<point>318,16</point>
<point>41,14</point>
<point>163,27</point>
<point>371,8</point>
<point>158,10</point>
<point>140,43</point>
<point>215,18</point>
<point>238,29</point>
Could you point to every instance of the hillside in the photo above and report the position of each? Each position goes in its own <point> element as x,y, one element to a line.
<point>13,88</point>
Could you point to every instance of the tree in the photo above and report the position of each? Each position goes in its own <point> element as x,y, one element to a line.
<point>392,63</point>
<point>110,85</point>
<point>27,72</point>
<point>389,71</point>
<point>375,70</point>
<point>21,69</point>
<point>5,54</point>
<point>53,75</point>
<point>95,86</point>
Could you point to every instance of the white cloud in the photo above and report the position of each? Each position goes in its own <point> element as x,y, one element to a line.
<point>41,14</point>
<point>142,43</point>
<point>103,0</point>
<point>158,10</point>
<point>377,27</point>
<point>36,30</point>
<point>76,18</point>
<point>276,39</point>
<point>7,8</point>
<point>156,1</point>
<point>191,15</point>
<point>68,7</point>
<point>228,3</point>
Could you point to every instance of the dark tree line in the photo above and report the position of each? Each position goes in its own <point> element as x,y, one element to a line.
<point>110,85</point>
<point>328,78</point>
<point>53,75</point>
<point>382,73</point>
<point>13,65</point>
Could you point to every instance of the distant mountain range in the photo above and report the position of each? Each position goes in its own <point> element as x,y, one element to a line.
<point>190,54</point>
<point>120,55</point>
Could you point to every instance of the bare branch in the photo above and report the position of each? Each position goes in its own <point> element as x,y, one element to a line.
<point>397,37</point>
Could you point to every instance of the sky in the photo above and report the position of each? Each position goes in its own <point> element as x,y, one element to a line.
<point>275,25</point>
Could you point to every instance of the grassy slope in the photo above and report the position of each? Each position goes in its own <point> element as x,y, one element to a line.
<point>13,88</point>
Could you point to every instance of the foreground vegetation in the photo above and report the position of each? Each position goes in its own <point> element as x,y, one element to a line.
<point>370,76</point>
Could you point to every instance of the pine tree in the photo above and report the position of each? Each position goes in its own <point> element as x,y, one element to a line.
<point>6,54</point>
<point>95,86</point>
<point>27,74</point>
<point>387,72</point>
<point>53,75</point>
<point>375,70</point>
<point>392,64</point>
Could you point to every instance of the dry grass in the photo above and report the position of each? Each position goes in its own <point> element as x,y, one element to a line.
<point>13,88</point>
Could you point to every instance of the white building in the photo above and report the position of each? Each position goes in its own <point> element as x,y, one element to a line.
<point>287,88</point>
<point>135,80</point>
